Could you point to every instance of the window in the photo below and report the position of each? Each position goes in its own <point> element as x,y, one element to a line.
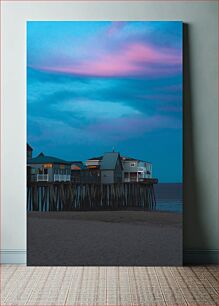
<point>47,165</point>
<point>132,164</point>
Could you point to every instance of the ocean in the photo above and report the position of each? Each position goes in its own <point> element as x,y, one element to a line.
<point>169,197</point>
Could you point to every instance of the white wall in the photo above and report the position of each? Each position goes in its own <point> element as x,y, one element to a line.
<point>200,133</point>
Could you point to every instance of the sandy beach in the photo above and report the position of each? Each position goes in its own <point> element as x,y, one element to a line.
<point>104,238</point>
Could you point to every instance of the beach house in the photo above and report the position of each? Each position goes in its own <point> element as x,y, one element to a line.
<point>135,170</point>
<point>48,168</point>
<point>111,168</point>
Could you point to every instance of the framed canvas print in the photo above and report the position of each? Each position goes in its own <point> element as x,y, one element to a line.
<point>104,143</point>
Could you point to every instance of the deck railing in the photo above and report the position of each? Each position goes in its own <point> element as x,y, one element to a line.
<point>62,177</point>
<point>42,177</point>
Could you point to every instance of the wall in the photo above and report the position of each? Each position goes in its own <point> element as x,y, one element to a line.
<point>200,110</point>
<point>107,176</point>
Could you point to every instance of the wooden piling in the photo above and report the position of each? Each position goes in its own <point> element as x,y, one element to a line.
<point>68,196</point>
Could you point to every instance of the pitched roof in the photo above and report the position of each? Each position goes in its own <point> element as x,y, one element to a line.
<point>109,161</point>
<point>43,159</point>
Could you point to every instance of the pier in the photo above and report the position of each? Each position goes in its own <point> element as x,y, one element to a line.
<point>68,196</point>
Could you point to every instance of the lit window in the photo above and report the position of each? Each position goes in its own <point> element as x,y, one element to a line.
<point>47,166</point>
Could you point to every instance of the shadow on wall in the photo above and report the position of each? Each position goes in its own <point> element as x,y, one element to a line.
<point>193,231</point>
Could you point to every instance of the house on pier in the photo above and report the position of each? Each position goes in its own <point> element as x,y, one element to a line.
<point>49,169</point>
<point>111,168</point>
<point>135,170</point>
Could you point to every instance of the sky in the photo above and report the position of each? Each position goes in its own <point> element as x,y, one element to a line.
<point>94,86</point>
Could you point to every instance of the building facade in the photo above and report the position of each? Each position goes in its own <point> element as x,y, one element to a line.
<point>111,168</point>
<point>135,170</point>
<point>44,168</point>
<point>84,175</point>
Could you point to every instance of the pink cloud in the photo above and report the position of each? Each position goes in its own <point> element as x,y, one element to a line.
<point>139,52</point>
<point>136,59</point>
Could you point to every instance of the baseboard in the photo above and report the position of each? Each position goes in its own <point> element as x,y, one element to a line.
<point>200,257</point>
<point>190,257</point>
<point>13,256</point>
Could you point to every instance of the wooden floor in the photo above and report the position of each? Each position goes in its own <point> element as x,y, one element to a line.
<point>81,286</point>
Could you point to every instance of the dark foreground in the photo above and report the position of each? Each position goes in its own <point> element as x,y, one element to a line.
<point>111,238</point>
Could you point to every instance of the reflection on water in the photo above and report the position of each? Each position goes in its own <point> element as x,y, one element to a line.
<point>169,197</point>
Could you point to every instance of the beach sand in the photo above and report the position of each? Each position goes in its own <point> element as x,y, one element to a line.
<point>104,238</point>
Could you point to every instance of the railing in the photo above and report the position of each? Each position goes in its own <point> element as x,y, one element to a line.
<point>144,172</point>
<point>42,177</point>
<point>133,179</point>
<point>126,179</point>
<point>62,177</point>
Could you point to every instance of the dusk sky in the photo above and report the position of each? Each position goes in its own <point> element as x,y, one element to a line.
<point>92,86</point>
